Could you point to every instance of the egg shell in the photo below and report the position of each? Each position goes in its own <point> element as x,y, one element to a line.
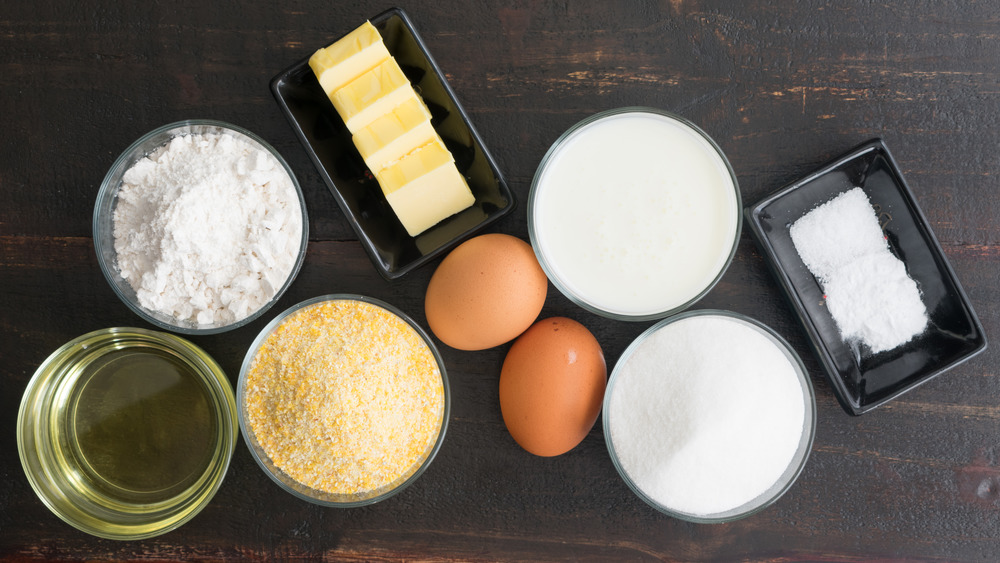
<point>552,386</point>
<point>485,292</point>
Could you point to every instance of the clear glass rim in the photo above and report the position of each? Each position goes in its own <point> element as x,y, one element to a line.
<point>104,207</point>
<point>279,477</point>
<point>39,467</point>
<point>533,196</point>
<point>798,462</point>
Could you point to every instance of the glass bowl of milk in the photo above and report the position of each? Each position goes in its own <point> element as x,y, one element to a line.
<point>634,213</point>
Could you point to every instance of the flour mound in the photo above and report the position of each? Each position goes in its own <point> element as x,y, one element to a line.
<point>207,228</point>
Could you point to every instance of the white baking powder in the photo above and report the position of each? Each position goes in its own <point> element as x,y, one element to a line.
<point>706,414</point>
<point>868,292</point>
<point>207,228</point>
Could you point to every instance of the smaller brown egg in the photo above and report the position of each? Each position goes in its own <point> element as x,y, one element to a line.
<point>552,386</point>
<point>485,292</point>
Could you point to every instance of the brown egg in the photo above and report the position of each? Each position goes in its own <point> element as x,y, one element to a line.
<point>485,292</point>
<point>552,386</point>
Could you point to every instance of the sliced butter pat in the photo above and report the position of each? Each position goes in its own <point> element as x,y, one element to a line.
<point>372,95</point>
<point>395,134</point>
<point>425,187</point>
<point>351,56</point>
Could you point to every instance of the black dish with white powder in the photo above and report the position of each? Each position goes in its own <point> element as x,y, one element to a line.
<point>865,376</point>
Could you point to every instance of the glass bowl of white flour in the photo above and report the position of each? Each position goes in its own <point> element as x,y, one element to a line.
<point>200,226</point>
<point>709,416</point>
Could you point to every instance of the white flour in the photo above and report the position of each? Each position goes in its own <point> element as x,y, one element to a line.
<point>868,292</point>
<point>706,414</point>
<point>207,228</point>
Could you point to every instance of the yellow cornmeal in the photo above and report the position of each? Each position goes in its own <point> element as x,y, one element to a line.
<point>345,397</point>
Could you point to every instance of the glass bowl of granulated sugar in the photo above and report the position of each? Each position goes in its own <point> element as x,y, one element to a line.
<point>200,226</point>
<point>709,416</point>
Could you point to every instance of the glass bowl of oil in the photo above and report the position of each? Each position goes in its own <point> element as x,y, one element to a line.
<point>127,433</point>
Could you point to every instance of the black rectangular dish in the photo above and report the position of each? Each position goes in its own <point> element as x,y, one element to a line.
<point>329,145</point>
<point>862,380</point>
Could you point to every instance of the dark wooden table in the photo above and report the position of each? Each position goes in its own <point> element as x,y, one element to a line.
<point>782,87</point>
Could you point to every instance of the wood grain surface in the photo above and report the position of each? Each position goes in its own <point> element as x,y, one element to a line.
<point>781,86</point>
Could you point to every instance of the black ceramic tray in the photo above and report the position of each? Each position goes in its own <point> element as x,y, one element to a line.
<point>329,144</point>
<point>862,380</point>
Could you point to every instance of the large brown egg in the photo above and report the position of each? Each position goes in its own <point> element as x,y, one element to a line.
<point>485,292</point>
<point>552,386</point>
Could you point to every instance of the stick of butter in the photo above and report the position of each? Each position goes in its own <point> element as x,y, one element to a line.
<point>425,187</point>
<point>356,53</point>
<point>392,130</point>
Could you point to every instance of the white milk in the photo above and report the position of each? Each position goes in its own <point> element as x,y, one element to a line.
<point>634,214</point>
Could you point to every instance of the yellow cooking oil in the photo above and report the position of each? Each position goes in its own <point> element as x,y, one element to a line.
<point>126,433</point>
<point>138,427</point>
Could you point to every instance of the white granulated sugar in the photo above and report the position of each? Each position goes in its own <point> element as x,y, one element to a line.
<point>207,228</point>
<point>706,414</point>
<point>868,292</point>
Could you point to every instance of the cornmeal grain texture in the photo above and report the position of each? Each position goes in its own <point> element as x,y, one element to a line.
<point>345,397</point>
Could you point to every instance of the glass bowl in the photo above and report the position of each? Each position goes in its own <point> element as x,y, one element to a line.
<point>107,199</point>
<point>557,225</point>
<point>286,322</point>
<point>126,433</point>
<point>777,488</point>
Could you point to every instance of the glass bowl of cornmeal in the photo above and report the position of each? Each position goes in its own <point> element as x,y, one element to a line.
<point>343,400</point>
